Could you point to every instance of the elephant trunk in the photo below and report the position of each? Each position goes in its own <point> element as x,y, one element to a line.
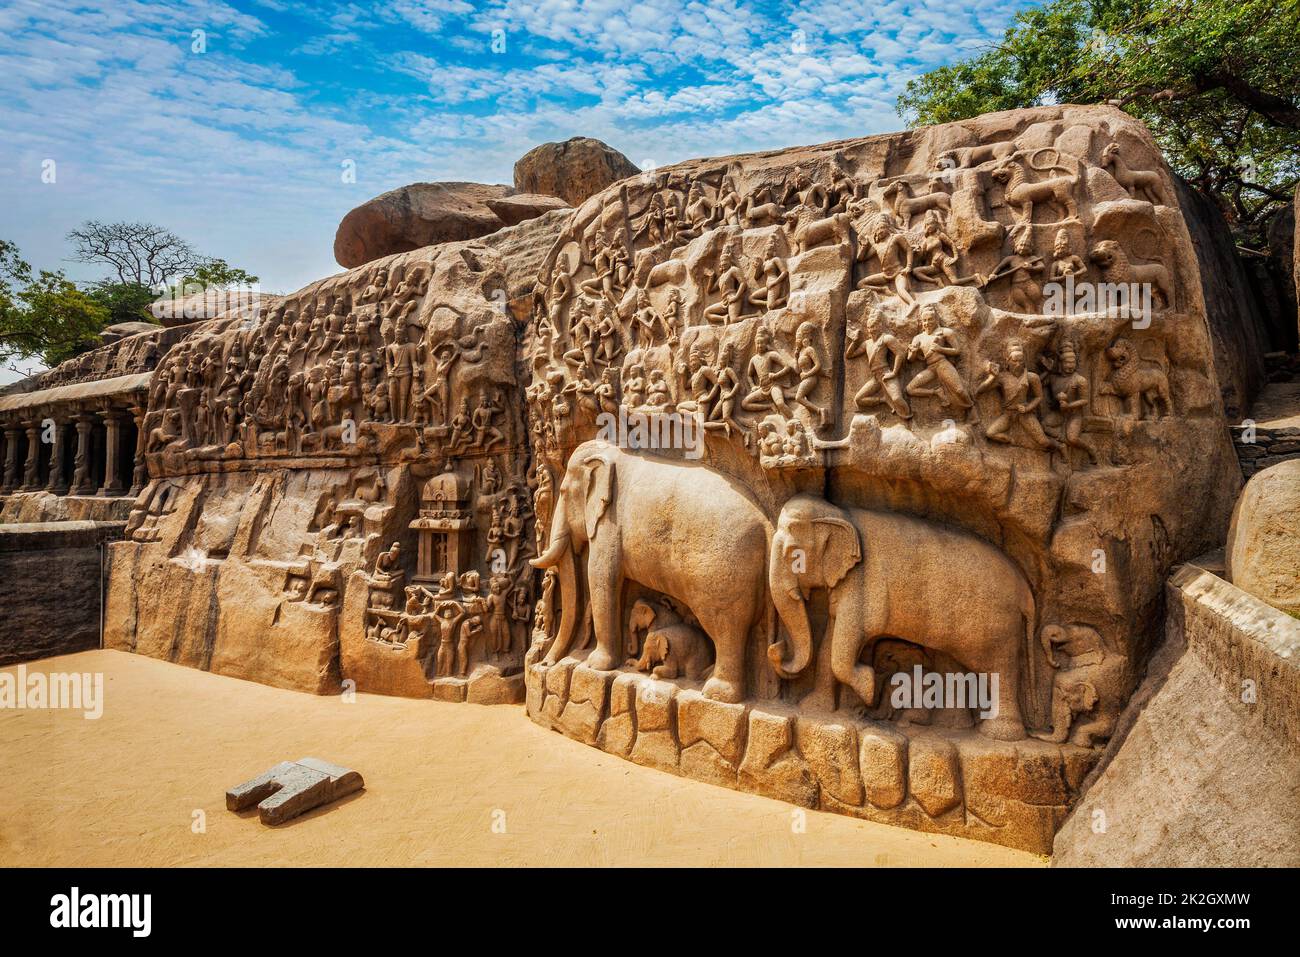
<point>559,538</point>
<point>559,555</point>
<point>790,605</point>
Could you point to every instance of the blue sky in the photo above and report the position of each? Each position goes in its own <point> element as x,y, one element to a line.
<point>239,147</point>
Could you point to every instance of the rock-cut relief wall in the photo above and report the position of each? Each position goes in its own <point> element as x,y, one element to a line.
<point>909,425</point>
<point>338,490</point>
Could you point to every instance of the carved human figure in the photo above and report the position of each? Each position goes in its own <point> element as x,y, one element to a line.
<point>722,415</point>
<point>771,277</point>
<point>498,615</point>
<point>645,321</point>
<point>1070,394</point>
<point>447,617</point>
<point>1066,263</point>
<point>401,357</point>
<point>699,215</point>
<point>486,434</point>
<point>701,385</point>
<point>885,357</point>
<point>937,255</point>
<point>1022,394</point>
<point>810,368</point>
<point>894,253</point>
<point>937,347</point>
<point>1025,295</point>
<point>730,282</point>
<point>769,369</point>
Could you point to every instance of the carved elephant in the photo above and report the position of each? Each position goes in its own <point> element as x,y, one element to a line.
<point>897,576</point>
<point>1088,687</point>
<point>671,647</point>
<point>678,528</point>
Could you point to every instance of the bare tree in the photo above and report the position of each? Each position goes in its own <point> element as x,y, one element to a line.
<point>140,253</point>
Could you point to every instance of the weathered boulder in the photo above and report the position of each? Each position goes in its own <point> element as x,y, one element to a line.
<point>573,170</point>
<point>1238,321</point>
<point>1263,553</point>
<point>421,214</point>
<point>120,330</point>
<point>519,207</point>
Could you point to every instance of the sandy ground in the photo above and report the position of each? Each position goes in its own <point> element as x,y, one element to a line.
<point>125,789</point>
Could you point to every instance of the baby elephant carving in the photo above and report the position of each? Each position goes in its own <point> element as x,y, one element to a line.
<point>671,648</point>
<point>1088,686</point>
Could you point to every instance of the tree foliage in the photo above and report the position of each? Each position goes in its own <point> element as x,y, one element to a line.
<point>1217,81</point>
<point>45,315</point>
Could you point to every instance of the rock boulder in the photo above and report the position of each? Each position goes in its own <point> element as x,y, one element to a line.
<point>573,170</point>
<point>424,214</point>
<point>1263,553</point>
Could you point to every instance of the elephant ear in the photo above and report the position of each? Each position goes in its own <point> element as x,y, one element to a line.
<point>840,549</point>
<point>600,492</point>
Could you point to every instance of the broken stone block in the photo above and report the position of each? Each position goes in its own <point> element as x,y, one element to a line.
<point>712,736</point>
<point>292,788</point>
<point>494,688</point>
<point>449,689</point>
<point>831,750</point>
<point>770,766</point>
<point>883,757</point>
<point>557,689</point>
<point>934,774</point>
<point>655,745</point>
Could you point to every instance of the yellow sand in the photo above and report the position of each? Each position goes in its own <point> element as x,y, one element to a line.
<point>124,790</point>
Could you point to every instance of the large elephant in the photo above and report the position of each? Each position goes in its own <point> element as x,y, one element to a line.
<point>679,528</point>
<point>897,576</point>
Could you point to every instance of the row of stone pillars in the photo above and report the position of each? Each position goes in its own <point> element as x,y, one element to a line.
<point>70,452</point>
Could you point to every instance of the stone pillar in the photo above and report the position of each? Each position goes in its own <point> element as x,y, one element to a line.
<point>58,483</point>
<point>140,473</point>
<point>32,471</point>
<point>113,484</point>
<point>12,436</point>
<point>81,481</point>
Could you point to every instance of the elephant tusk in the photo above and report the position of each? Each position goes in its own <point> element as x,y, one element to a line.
<point>552,554</point>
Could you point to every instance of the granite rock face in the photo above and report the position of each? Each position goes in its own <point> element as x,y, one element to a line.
<point>954,392</point>
<point>338,490</point>
<point>1204,769</point>
<point>52,584</point>
<point>573,170</point>
<point>1239,323</point>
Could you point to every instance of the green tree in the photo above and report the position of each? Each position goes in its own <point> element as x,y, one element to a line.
<point>1217,81</point>
<point>44,315</point>
<point>218,272</point>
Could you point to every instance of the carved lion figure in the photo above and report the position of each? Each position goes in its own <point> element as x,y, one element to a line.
<point>1139,383</point>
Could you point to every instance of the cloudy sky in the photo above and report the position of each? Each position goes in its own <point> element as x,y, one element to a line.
<point>231,123</point>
